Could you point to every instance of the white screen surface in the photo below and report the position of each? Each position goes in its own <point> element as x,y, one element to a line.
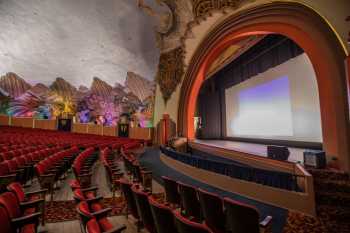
<point>281,103</point>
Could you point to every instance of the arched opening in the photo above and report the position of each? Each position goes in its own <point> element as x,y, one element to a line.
<point>312,34</point>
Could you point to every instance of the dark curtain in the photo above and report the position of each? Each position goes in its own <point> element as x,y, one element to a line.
<point>210,111</point>
<point>271,51</point>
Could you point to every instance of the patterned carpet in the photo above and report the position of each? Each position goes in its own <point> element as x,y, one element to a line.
<point>59,211</point>
<point>332,205</point>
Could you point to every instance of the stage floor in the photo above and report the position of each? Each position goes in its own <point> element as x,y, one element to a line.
<point>296,154</point>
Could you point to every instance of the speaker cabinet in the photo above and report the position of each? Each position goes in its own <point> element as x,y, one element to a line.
<point>315,158</point>
<point>278,152</point>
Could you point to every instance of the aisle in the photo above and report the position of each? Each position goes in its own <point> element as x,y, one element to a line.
<point>151,160</point>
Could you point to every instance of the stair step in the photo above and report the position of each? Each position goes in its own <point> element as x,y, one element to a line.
<point>334,213</point>
<point>323,174</point>
<point>333,198</point>
<point>332,186</point>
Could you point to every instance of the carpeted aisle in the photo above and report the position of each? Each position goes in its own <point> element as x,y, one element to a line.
<point>151,160</point>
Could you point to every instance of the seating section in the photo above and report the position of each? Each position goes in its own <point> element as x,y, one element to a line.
<point>136,172</point>
<point>113,173</point>
<point>48,156</point>
<point>82,166</point>
<point>53,168</point>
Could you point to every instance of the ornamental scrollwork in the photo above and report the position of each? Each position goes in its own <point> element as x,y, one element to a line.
<point>170,72</point>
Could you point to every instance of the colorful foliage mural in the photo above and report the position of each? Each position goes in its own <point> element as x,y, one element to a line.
<point>99,104</point>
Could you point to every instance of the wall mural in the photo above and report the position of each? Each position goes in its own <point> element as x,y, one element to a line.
<point>101,103</point>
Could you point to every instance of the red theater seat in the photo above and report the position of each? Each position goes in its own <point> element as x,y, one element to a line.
<point>172,195</point>
<point>189,201</point>
<point>25,223</point>
<point>34,198</point>
<point>6,177</point>
<point>212,207</point>
<point>143,208</point>
<point>130,200</point>
<point>242,218</point>
<point>183,225</point>
<point>90,196</point>
<point>95,222</point>
<point>163,217</point>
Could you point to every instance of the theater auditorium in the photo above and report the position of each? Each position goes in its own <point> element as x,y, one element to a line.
<point>174,116</point>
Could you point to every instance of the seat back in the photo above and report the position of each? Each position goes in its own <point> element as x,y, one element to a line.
<point>92,226</point>
<point>162,216</point>
<point>10,202</point>
<point>189,201</point>
<point>143,208</point>
<point>241,218</point>
<point>84,213</point>
<point>78,195</point>
<point>183,225</point>
<point>17,189</point>
<point>130,200</point>
<point>212,210</point>
<point>171,192</point>
<point>5,221</point>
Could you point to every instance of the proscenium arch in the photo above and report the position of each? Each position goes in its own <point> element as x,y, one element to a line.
<point>310,32</point>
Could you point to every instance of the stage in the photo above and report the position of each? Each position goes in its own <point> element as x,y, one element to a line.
<point>296,154</point>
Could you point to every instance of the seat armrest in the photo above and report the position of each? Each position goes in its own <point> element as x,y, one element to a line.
<point>48,175</point>
<point>98,198</point>
<point>117,229</point>
<point>101,213</point>
<point>8,176</point>
<point>146,172</point>
<point>85,174</point>
<point>28,219</point>
<point>28,204</point>
<point>92,188</point>
<point>41,191</point>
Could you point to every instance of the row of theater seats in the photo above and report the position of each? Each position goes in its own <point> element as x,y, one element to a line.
<point>134,170</point>
<point>93,217</point>
<point>147,209</point>
<point>21,212</point>
<point>16,135</point>
<point>18,164</point>
<point>109,160</point>
<point>218,214</point>
<point>83,164</point>
<point>186,208</point>
<point>54,168</point>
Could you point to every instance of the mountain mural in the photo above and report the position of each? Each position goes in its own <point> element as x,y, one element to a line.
<point>101,88</point>
<point>13,84</point>
<point>63,88</point>
<point>101,103</point>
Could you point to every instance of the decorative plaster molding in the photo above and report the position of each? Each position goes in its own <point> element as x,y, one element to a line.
<point>170,72</point>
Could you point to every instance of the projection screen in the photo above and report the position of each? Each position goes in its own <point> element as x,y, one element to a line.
<point>281,104</point>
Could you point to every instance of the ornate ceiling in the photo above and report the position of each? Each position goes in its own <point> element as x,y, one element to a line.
<point>76,40</point>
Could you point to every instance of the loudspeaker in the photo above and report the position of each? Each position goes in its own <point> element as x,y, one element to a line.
<point>315,158</point>
<point>278,152</point>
